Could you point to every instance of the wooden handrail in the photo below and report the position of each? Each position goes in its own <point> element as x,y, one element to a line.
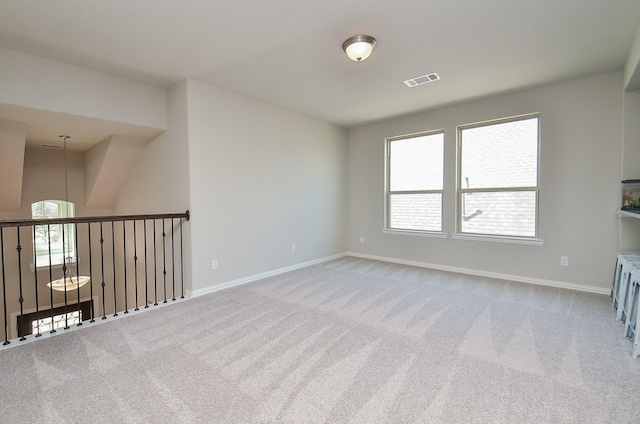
<point>89,219</point>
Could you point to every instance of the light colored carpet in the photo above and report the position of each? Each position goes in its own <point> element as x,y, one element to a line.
<point>348,341</point>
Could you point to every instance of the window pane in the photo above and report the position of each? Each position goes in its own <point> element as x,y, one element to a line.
<point>44,325</point>
<point>416,211</point>
<point>416,163</point>
<point>500,155</point>
<point>52,236</point>
<point>45,209</point>
<point>509,213</point>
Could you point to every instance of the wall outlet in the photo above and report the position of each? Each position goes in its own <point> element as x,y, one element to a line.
<point>214,264</point>
<point>361,239</point>
<point>564,260</point>
<point>293,248</point>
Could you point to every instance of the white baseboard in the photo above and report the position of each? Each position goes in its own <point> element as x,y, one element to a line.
<point>480,273</point>
<point>251,278</point>
<point>500,276</point>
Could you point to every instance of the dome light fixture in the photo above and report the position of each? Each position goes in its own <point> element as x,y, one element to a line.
<point>359,47</point>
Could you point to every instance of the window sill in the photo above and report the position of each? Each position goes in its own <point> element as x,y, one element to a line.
<point>435,234</point>
<point>54,266</point>
<point>499,239</point>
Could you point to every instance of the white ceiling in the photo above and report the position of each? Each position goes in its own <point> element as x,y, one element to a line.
<point>288,52</point>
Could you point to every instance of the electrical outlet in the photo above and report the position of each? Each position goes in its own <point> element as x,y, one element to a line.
<point>293,248</point>
<point>214,264</point>
<point>361,239</point>
<point>564,260</point>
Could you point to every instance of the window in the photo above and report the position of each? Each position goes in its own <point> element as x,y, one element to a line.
<point>415,182</point>
<point>52,319</point>
<point>498,177</point>
<point>55,241</point>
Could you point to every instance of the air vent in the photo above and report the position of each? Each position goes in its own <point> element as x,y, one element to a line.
<point>51,146</point>
<point>422,79</point>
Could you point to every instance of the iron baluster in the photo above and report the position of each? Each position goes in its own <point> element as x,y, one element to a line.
<point>173,260</point>
<point>64,276</point>
<point>135,263</point>
<point>181,263</point>
<point>113,258</point>
<point>164,261</point>
<point>155,265</point>
<point>92,310</point>
<point>124,244</point>
<point>35,282</point>
<point>5,313</point>
<point>146,266</point>
<point>80,317</point>
<point>53,328</point>
<point>103,284</point>
<point>20,299</point>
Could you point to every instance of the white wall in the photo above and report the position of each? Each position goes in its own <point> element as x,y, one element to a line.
<point>38,83</point>
<point>159,182</point>
<point>44,180</point>
<point>12,143</point>
<point>261,179</point>
<point>579,185</point>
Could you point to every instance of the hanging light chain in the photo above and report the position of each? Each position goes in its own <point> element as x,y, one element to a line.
<point>66,185</point>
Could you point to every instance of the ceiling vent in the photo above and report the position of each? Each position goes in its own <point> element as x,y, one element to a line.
<point>50,146</point>
<point>422,80</point>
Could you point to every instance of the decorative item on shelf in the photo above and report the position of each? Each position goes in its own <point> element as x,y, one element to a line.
<point>69,281</point>
<point>631,196</point>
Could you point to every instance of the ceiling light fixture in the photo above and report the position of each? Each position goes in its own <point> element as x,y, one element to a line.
<point>359,47</point>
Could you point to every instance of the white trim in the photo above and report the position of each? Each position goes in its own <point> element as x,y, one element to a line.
<point>256,277</point>
<point>498,239</point>
<point>435,234</point>
<point>489,274</point>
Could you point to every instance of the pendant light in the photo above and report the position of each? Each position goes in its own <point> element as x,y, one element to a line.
<point>69,281</point>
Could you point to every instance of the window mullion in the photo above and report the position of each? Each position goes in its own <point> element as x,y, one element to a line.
<point>497,189</point>
<point>416,192</point>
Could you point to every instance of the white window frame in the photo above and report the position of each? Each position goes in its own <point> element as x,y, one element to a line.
<point>461,190</point>
<point>388,229</point>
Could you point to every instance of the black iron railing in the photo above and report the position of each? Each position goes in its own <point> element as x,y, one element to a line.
<point>60,272</point>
